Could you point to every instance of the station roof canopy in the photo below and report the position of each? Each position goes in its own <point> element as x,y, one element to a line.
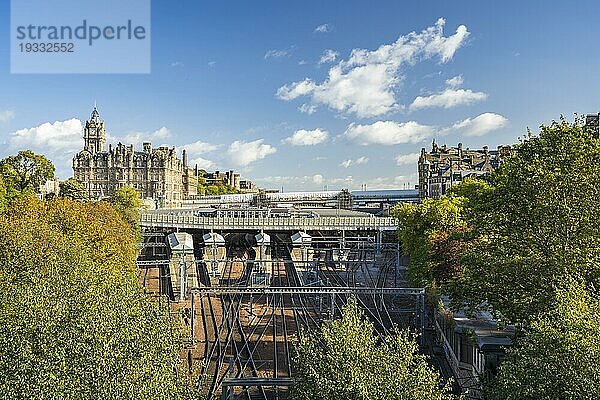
<point>301,238</point>
<point>180,242</point>
<point>212,238</point>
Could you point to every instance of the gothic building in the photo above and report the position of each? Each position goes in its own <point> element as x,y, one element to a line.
<point>445,166</point>
<point>157,174</point>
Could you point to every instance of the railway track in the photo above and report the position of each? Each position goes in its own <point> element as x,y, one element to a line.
<point>251,336</point>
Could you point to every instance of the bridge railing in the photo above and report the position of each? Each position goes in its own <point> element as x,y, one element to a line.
<point>185,219</point>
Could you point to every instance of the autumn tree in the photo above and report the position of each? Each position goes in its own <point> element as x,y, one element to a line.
<point>72,189</point>
<point>74,321</point>
<point>558,357</point>
<point>25,172</point>
<point>346,359</point>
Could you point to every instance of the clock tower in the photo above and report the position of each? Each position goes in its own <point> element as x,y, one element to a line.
<point>94,134</point>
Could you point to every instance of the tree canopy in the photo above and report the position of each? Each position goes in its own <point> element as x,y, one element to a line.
<point>74,322</point>
<point>347,360</point>
<point>558,357</point>
<point>26,171</point>
<point>427,231</point>
<point>127,201</point>
<point>538,225</point>
<point>72,189</point>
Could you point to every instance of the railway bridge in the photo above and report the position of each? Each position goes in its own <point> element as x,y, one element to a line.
<point>182,219</point>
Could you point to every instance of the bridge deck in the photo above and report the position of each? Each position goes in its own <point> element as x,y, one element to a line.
<point>184,220</point>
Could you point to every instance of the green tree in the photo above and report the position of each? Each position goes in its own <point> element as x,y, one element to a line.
<point>127,201</point>
<point>347,360</point>
<point>558,357</point>
<point>3,195</point>
<point>538,225</point>
<point>429,233</point>
<point>74,321</point>
<point>72,189</point>
<point>25,172</point>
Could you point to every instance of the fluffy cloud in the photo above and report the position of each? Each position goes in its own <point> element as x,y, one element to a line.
<point>448,98</point>
<point>324,28</point>
<point>295,90</point>
<point>307,108</point>
<point>302,137</point>
<point>328,56</point>
<point>455,81</point>
<point>200,147</point>
<point>202,163</point>
<point>365,84</point>
<point>243,153</point>
<point>6,116</point>
<point>478,126</point>
<point>195,150</point>
<point>407,159</point>
<point>388,132</point>
<point>137,138</point>
<point>358,161</point>
<point>317,179</point>
<point>61,138</point>
<point>58,141</point>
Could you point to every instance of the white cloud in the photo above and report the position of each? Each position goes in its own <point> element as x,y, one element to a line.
<point>278,53</point>
<point>388,132</point>
<point>61,138</point>
<point>137,137</point>
<point>478,126</point>
<point>396,182</point>
<point>303,137</point>
<point>328,56</point>
<point>295,90</point>
<point>199,147</point>
<point>324,28</point>
<point>365,84</point>
<point>243,153</point>
<point>407,159</point>
<point>177,64</point>
<point>317,179</point>
<point>307,108</point>
<point>212,63</point>
<point>448,98</point>
<point>455,81</point>
<point>6,116</point>
<point>359,161</point>
<point>302,62</point>
<point>58,141</point>
<point>202,163</point>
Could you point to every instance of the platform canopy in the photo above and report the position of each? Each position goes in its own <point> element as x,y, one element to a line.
<point>262,239</point>
<point>181,243</point>
<point>301,239</point>
<point>213,239</point>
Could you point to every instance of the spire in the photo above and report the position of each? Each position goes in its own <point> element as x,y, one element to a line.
<point>95,114</point>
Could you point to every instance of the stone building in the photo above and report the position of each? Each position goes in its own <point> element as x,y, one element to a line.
<point>446,166</point>
<point>157,174</point>
<point>229,178</point>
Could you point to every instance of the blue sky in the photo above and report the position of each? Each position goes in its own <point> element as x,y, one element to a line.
<point>229,81</point>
